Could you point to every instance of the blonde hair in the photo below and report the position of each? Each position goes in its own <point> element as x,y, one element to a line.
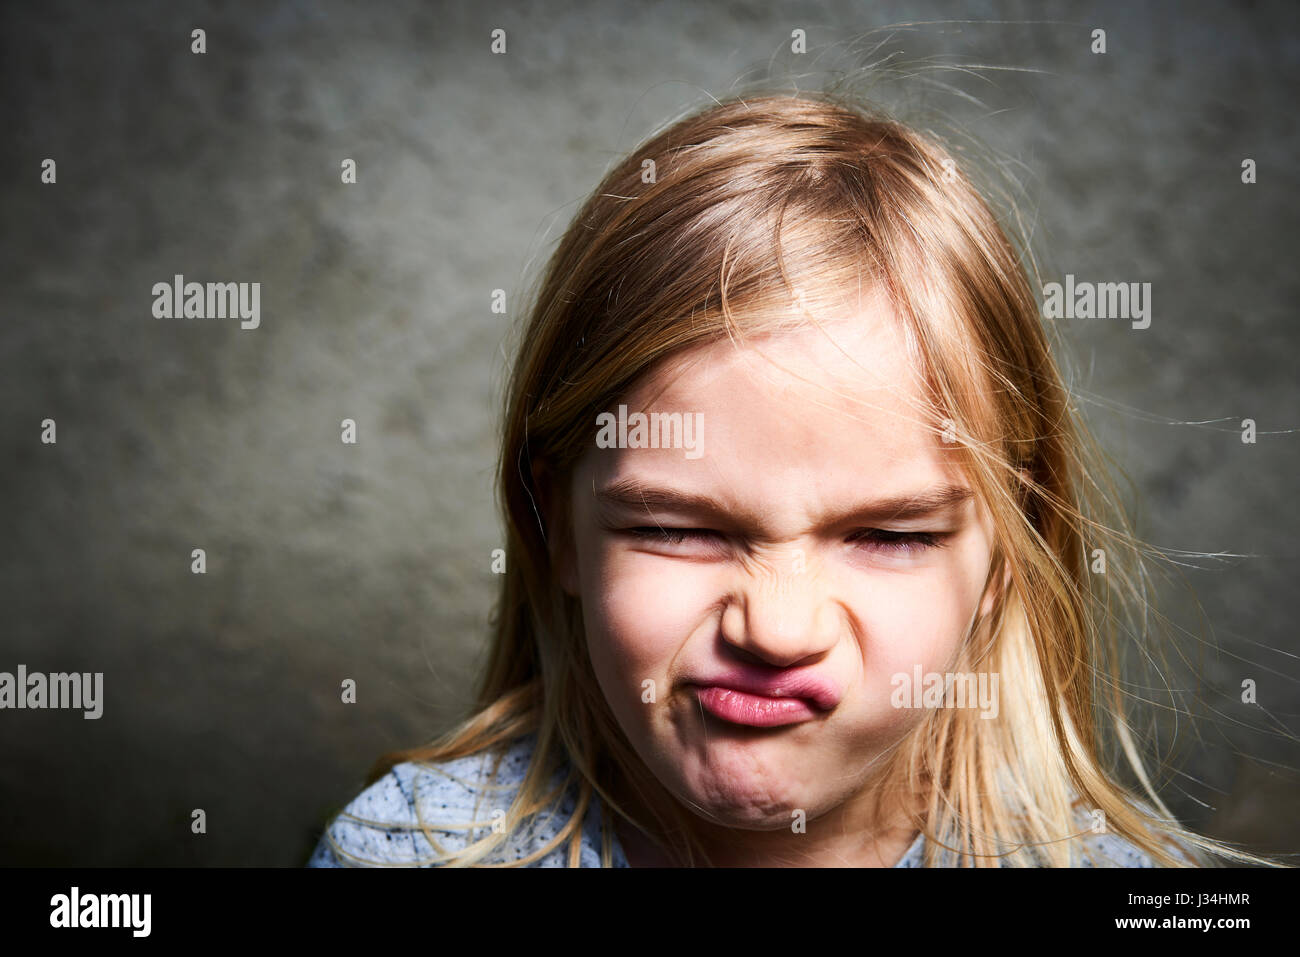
<point>749,200</point>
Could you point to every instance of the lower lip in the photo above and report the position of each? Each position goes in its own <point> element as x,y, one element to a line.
<point>758,711</point>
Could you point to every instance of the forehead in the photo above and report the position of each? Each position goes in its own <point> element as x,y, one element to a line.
<point>827,412</point>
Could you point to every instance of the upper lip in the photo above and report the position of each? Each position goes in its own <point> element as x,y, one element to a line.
<point>791,683</point>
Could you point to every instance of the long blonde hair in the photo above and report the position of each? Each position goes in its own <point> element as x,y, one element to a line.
<point>720,216</point>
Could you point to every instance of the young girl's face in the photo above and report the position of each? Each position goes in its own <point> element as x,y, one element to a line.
<point>782,568</point>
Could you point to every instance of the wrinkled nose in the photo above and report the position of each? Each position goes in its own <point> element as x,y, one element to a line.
<point>781,613</point>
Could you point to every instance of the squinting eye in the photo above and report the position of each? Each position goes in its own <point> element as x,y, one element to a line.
<point>877,539</point>
<point>669,536</point>
<point>902,542</point>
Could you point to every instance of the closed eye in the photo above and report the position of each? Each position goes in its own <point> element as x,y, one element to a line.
<point>670,536</point>
<point>875,539</point>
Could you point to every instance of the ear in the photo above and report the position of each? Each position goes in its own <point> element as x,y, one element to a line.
<point>559,536</point>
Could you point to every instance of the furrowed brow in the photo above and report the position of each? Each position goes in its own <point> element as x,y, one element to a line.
<point>634,495</point>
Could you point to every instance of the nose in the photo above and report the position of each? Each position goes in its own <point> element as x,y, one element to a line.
<point>782,613</point>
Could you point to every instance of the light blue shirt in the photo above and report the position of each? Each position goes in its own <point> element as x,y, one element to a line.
<point>381,827</point>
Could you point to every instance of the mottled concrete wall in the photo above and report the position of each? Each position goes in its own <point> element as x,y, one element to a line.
<point>371,561</point>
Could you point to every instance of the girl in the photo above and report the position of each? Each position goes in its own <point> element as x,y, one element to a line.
<point>802,540</point>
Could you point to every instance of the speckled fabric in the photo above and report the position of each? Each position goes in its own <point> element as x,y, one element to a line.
<point>381,825</point>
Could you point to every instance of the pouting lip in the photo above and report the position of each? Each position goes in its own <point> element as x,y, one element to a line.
<point>790,683</point>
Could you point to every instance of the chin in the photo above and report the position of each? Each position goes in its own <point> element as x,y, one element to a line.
<point>742,795</point>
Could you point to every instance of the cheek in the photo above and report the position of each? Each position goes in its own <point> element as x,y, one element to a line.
<point>640,611</point>
<point>918,625</point>
<point>915,620</point>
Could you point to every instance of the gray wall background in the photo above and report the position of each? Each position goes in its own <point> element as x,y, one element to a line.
<point>328,561</point>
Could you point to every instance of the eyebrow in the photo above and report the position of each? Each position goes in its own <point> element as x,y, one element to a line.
<point>632,494</point>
